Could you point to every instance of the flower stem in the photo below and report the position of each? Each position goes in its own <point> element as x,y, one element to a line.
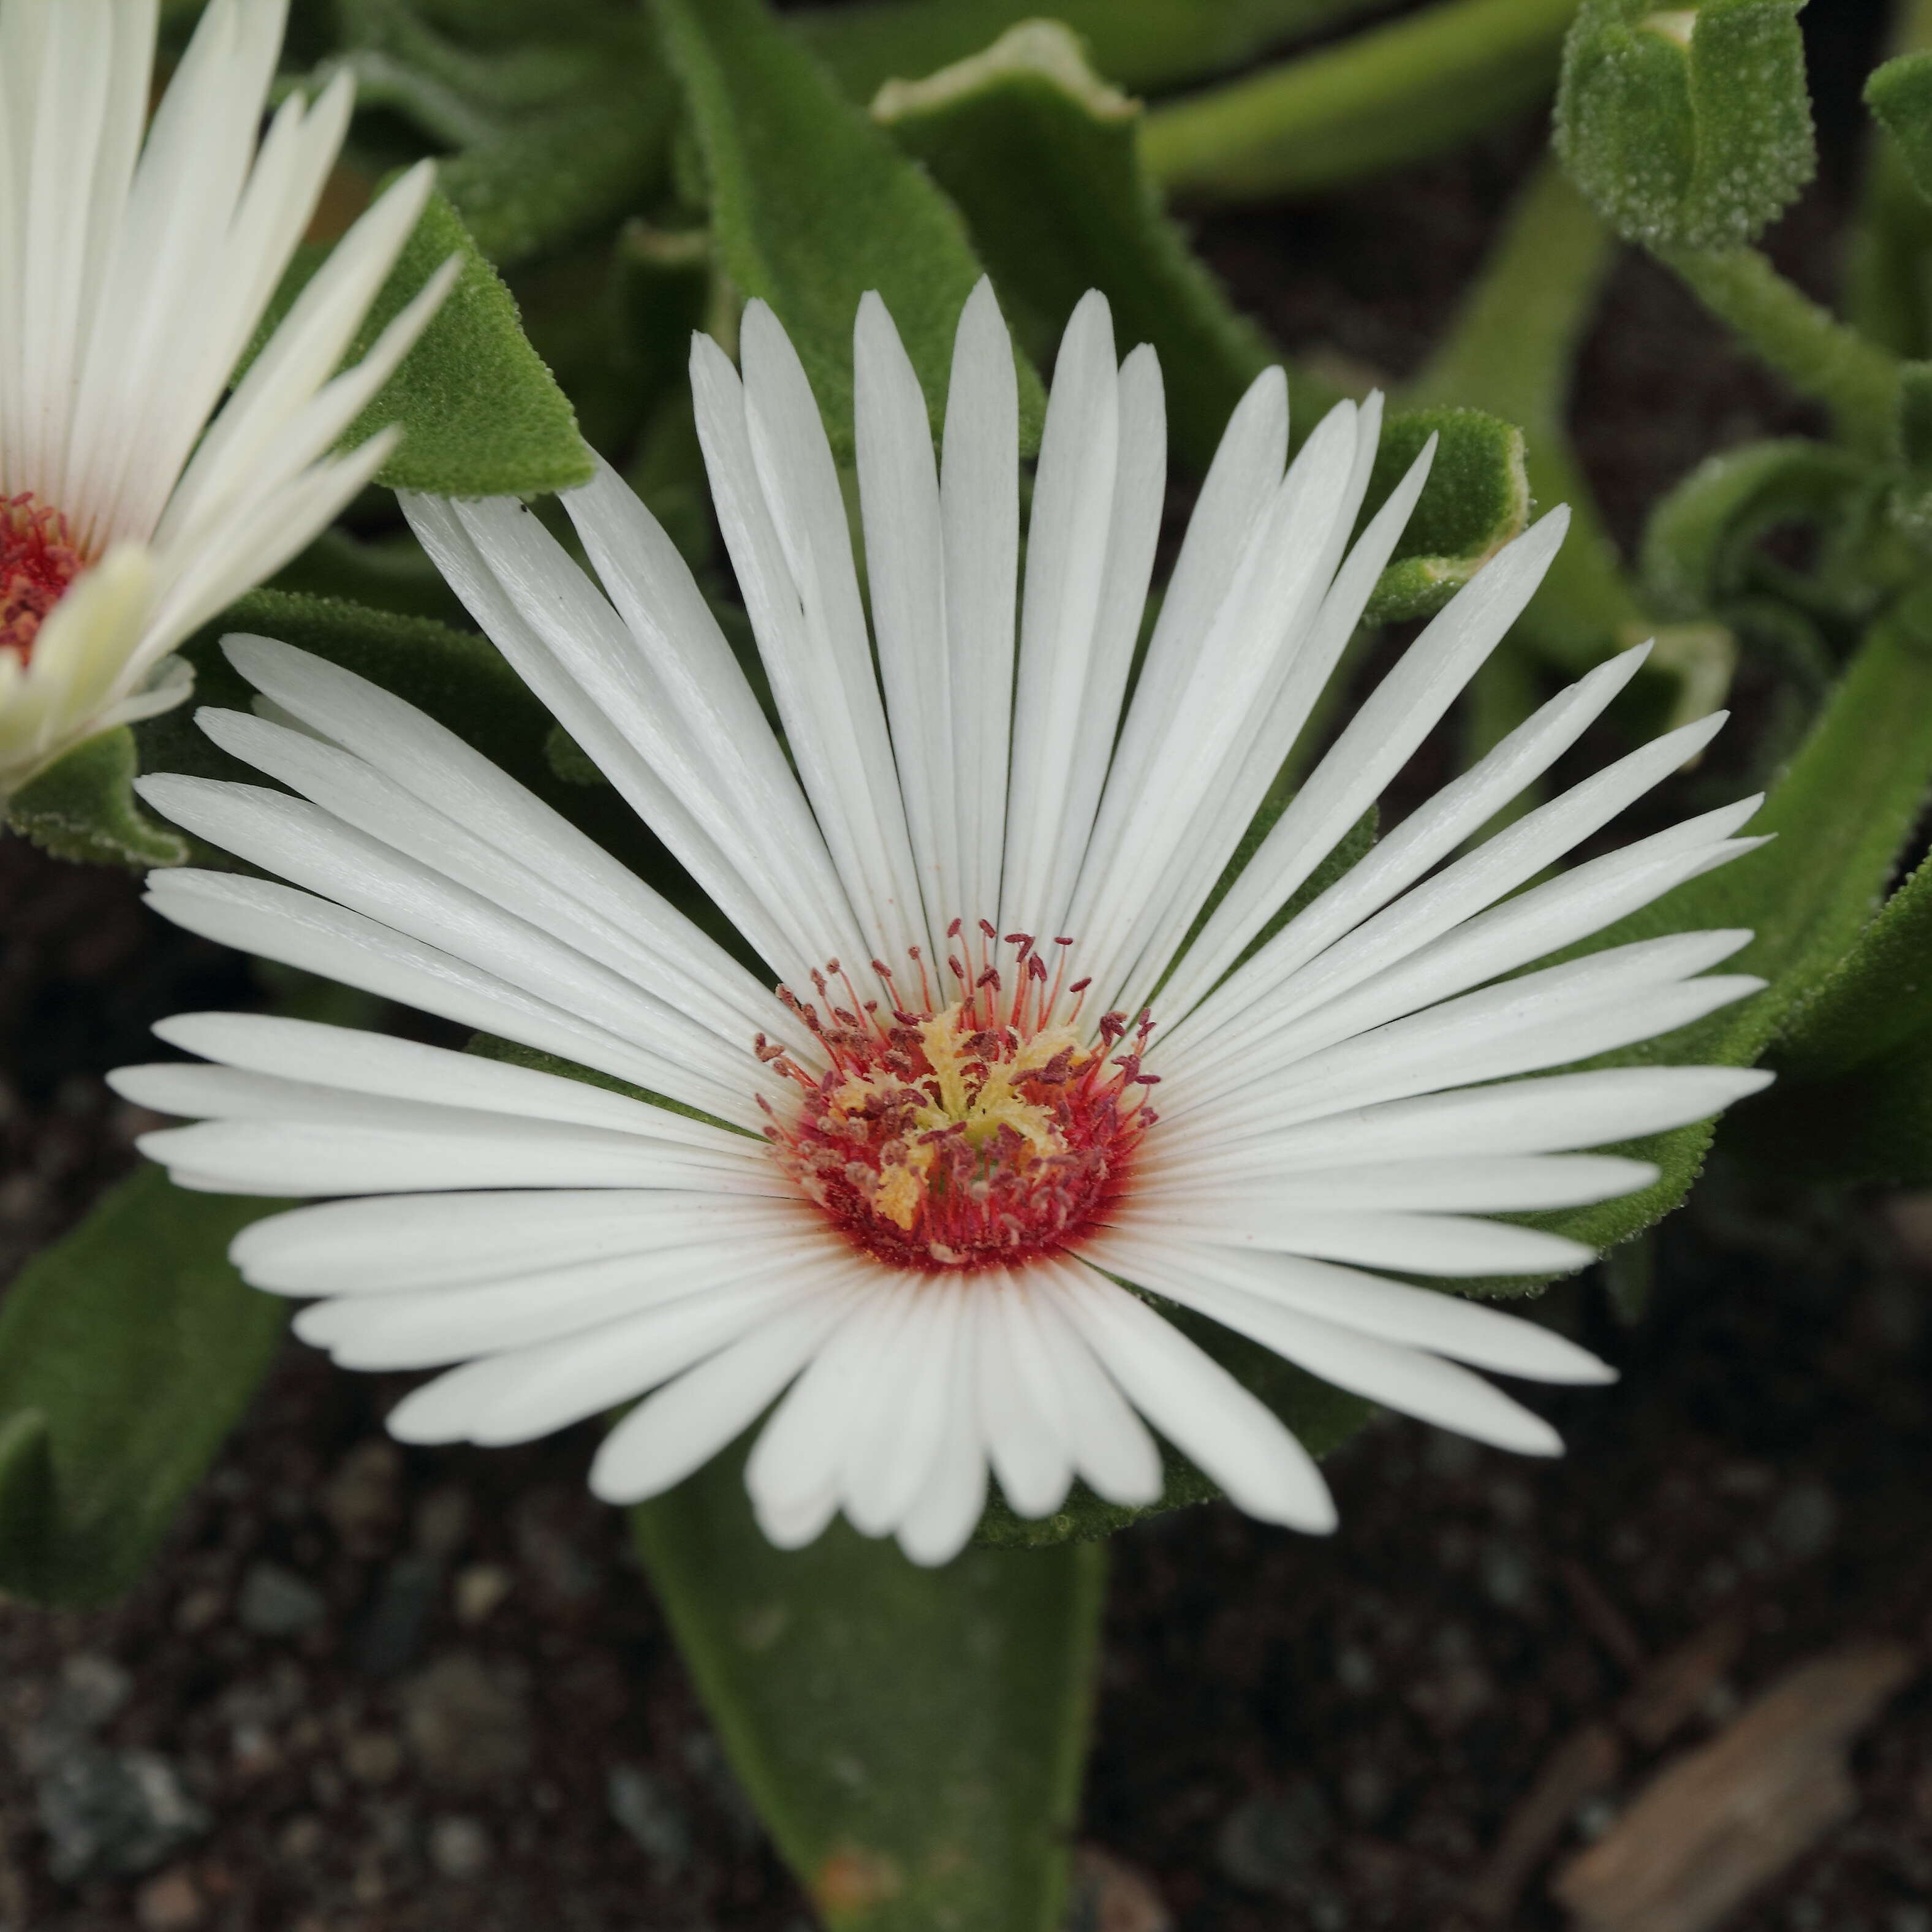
<point>1390,95</point>
<point>1143,44</point>
<point>1815,352</point>
<point>1512,351</point>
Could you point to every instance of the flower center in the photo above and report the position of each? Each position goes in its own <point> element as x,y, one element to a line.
<point>38,560</point>
<point>981,1133</point>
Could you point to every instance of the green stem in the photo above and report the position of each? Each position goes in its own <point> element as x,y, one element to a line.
<point>1512,351</point>
<point>1816,353</point>
<point>1393,94</point>
<point>1140,44</point>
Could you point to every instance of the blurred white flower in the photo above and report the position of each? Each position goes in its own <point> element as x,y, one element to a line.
<point>133,276</point>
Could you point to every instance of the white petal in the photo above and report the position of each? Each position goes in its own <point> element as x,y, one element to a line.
<point>793,554</point>
<point>934,1529</point>
<point>1434,1244</point>
<point>436,767</point>
<point>530,1392</point>
<point>1428,834</point>
<point>1549,1115</point>
<point>260,916</point>
<point>1400,1377</point>
<point>1067,559</point>
<point>297,1157</point>
<point>1200,1408</point>
<point>978,492</point>
<point>898,494</point>
<point>794,1469</point>
<point>680,1428</point>
<point>1018,1407</point>
<point>378,1064</point>
<point>1378,741</point>
<point>1417,1317</point>
<point>1497,1184</point>
<point>1112,1450</point>
<point>289,837</point>
<point>430,1328</point>
<point>1558,1016</point>
<point>886,1468</point>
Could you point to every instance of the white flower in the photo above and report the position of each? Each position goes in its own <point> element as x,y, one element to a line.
<point>938,1156</point>
<point>133,278</point>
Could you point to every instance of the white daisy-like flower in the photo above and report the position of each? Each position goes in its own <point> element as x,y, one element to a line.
<point>935,1166</point>
<point>133,278</point>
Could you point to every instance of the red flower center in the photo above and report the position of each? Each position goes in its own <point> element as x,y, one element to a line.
<point>984,1133</point>
<point>38,560</point>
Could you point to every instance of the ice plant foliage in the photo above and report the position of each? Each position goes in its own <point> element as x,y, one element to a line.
<point>132,277</point>
<point>1018,1076</point>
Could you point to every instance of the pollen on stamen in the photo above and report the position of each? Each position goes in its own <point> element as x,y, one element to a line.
<point>38,559</point>
<point>985,1133</point>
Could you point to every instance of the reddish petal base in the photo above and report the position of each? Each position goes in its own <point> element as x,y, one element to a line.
<point>985,1133</point>
<point>38,560</point>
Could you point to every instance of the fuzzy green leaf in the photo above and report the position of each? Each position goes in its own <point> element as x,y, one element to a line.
<point>127,1351</point>
<point>1394,94</point>
<point>1138,43</point>
<point>1900,95</point>
<point>1877,1003</point>
<point>1477,500</point>
<point>812,205</point>
<point>913,1738</point>
<point>1043,158</point>
<point>480,414</point>
<point>1689,126</point>
<point>561,123</point>
<point>83,807</point>
<point>567,174</point>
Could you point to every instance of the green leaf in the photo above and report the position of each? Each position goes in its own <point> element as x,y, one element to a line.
<point>1043,158</point>
<point>913,1738</point>
<point>812,205</point>
<point>480,416</point>
<point>561,127</point>
<point>1900,96</point>
<point>1877,1003</point>
<point>1138,43</point>
<point>1886,295</point>
<point>567,174</point>
<point>1689,126</point>
<point>1477,500</point>
<point>1395,94</point>
<point>127,1351</point>
<point>83,807</point>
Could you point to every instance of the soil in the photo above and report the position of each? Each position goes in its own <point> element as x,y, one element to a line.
<point>397,1691</point>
